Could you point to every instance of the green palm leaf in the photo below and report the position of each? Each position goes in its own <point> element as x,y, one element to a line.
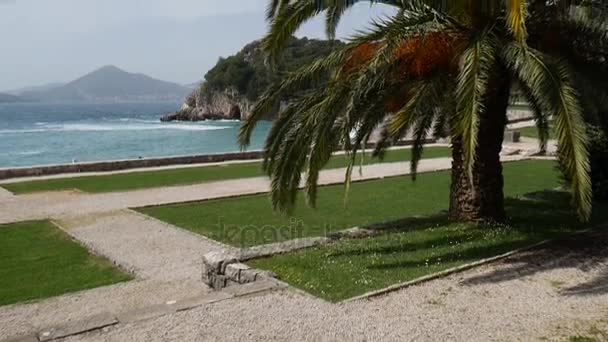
<point>477,65</point>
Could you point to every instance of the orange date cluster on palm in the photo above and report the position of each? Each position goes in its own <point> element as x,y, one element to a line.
<point>416,58</point>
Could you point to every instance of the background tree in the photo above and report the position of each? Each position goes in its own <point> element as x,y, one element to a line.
<point>436,66</point>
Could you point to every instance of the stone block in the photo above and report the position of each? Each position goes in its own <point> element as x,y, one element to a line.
<point>233,271</point>
<point>218,282</point>
<point>248,276</point>
<point>213,261</point>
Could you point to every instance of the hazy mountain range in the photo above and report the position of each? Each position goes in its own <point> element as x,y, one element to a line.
<point>107,84</point>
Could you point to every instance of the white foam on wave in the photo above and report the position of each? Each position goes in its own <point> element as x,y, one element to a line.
<point>23,153</point>
<point>132,120</point>
<point>83,127</point>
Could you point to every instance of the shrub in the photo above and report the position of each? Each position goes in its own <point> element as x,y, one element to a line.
<point>598,151</point>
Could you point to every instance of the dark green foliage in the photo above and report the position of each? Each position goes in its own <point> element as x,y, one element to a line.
<point>248,72</point>
<point>598,159</point>
<point>598,154</point>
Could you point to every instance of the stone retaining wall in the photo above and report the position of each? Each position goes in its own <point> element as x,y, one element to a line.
<point>117,165</point>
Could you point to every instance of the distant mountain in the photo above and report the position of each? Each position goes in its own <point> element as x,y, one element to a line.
<point>41,88</point>
<point>8,98</point>
<point>111,84</point>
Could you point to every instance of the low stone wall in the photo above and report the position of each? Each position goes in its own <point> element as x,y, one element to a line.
<point>118,165</point>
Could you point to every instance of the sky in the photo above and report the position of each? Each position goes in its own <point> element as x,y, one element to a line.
<point>47,41</point>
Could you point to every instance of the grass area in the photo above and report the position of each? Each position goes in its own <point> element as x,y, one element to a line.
<point>425,246</point>
<point>594,334</point>
<point>532,132</point>
<point>583,339</point>
<point>186,176</point>
<point>250,220</point>
<point>37,260</point>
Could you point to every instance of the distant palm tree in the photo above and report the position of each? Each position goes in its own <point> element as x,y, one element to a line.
<point>436,66</point>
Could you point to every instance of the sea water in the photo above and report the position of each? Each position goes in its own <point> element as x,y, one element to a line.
<point>42,133</point>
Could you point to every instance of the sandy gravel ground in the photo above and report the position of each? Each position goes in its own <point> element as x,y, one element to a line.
<point>531,297</point>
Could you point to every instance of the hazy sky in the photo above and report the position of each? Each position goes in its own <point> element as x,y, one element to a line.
<point>44,41</point>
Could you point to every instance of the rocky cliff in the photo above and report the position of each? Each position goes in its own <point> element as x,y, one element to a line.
<point>228,104</point>
<point>231,88</point>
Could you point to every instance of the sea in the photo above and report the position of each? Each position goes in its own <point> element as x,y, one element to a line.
<point>33,134</point>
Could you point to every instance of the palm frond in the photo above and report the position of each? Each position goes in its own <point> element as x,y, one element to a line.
<point>476,67</point>
<point>292,82</point>
<point>540,116</point>
<point>287,22</point>
<point>550,82</point>
<point>286,17</point>
<point>517,12</point>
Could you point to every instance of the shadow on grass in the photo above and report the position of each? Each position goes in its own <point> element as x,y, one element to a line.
<point>548,213</point>
<point>533,217</point>
<point>467,255</point>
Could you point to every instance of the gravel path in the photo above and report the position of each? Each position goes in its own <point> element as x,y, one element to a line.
<point>166,262</point>
<point>525,298</point>
<point>146,247</point>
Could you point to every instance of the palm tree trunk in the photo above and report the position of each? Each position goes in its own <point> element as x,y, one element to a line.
<point>482,200</point>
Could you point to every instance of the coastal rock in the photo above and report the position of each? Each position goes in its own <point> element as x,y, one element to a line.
<point>226,105</point>
<point>232,87</point>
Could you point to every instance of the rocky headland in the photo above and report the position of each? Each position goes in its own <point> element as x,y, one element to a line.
<point>231,88</point>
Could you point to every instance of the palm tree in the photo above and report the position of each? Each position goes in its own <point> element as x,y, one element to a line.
<point>440,67</point>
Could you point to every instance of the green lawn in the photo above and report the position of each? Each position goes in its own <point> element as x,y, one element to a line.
<point>350,268</point>
<point>186,176</point>
<point>37,260</point>
<point>532,132</point>
<point>250,220</point>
